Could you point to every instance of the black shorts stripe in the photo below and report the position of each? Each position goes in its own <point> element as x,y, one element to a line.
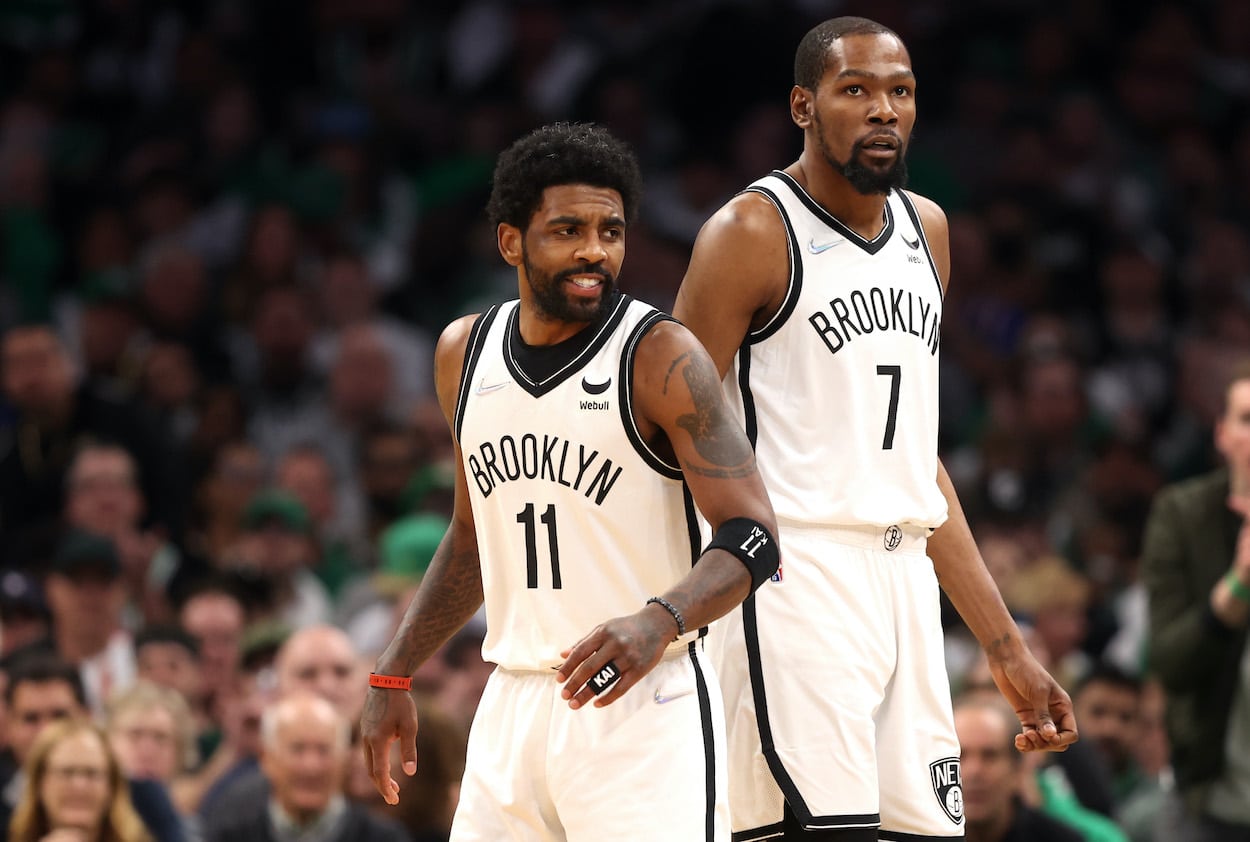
<point>895,836</point>
<point>771,831</point>
<point>786,783</point>
<point>709,742</point>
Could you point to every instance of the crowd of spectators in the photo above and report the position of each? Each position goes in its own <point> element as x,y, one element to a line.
<point>230,231</point>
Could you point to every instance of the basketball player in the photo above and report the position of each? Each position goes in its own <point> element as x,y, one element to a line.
<point>588,426</point>
<point>818,293</point>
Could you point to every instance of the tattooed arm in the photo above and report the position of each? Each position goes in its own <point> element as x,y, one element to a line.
<point>450,592</point>
<point>678,397</point>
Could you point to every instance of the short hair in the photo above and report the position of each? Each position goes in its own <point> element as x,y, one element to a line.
<point>143,696</point>
<point>1105,672</point>
<point>812,55</point>
<point>995,704</point>
<point>558,154</point>
<point>168,634</point>
<point>271,717</point>
<point>41,668</point>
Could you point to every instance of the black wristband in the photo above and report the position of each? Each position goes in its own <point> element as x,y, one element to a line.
<point>672,609</point>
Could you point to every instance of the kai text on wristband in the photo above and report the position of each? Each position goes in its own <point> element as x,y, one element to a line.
<point>390,682</point>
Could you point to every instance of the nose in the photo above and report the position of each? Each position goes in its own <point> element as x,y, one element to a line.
<point>882,112</point>
<point>591,249</point>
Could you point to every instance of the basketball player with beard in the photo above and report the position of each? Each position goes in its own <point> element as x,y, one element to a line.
<point>818,293</point>
<point>588,426</point>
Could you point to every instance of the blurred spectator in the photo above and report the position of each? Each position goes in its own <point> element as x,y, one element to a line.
<point>41,690</point>
<point>169,656</point>
<point>1196,566</point>
<point>238,472</point>
<point>1054,599</point>
<point>406,548</point>
<point>77,790</point>
<point>321,660</point>
<point>277,545</point>
<point>86,597</point>
<point>389,458</point>
<point>151,733</point>
<point>1108,704</point>
<point>305,741</point>
<point>993,774</point>
<point>103,497</point>
<point>349,296</point>
<point>55,415</point>
<point>214,616</point>
<point>335,507</point>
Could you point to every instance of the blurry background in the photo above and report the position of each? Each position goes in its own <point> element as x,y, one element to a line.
<point>230,232</point>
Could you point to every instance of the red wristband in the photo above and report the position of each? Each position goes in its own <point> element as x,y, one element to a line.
<point>390,682</point>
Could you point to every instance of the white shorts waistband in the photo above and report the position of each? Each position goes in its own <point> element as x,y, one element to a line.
<point>899,537</point>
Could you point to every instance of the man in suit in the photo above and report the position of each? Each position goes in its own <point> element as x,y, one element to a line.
<point>1196,567</point>
<point>304,751</point>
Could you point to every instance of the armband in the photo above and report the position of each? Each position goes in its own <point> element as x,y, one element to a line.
<point>753,545</point>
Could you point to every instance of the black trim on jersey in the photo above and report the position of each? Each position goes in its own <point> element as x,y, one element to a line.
<point>788,789</point>
<point>794,284</point>
<point>751,423</point>
<point>514,349</point>
<point>709,742</point>
<point>871,246</point>
<point>472,353</point>
<point>692,531</point>
<point>895,836</point>
<point>758,834</point>
<point>625,392</point>
<point>924,241</point>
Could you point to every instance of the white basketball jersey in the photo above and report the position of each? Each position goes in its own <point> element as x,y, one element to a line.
<point>578,521</point>
<point>839,391</point>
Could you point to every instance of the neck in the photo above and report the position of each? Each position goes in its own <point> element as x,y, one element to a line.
<point>863,214</point>
<point>78,645</point>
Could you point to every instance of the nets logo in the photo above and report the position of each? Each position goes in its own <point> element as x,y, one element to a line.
<point>893,537</point>
<point>948,787</point>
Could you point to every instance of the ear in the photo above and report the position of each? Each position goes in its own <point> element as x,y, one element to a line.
<point>511,243</point>
<point>801,106</point>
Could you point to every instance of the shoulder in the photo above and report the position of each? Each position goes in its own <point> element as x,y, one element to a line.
<point>749,214</point>
<point>665,341</point>
<point>930,212</point>
<point>1203,492</point>
<point>455,337</point>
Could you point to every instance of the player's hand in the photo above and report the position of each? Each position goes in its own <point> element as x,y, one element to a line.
<point>614,657</point>
<point>1043,707</point>
<point>388,715</point>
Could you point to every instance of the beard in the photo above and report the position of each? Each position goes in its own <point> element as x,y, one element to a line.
<point>864,179</point>
<point>555,305</point>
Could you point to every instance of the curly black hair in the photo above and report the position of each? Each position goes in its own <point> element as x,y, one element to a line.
<point>813,50</point>
<point>556,154</point>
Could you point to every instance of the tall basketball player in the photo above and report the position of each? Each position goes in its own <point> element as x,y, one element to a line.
<point>588,428</point>
<point>818,293</point>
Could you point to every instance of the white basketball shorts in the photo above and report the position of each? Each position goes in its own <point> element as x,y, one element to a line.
<point>837,698</point>
<point>651,765</point>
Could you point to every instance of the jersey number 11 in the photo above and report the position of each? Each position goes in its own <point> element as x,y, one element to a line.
<point>548,518</point>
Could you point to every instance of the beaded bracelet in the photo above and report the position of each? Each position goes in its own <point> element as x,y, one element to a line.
<point>672,609</point>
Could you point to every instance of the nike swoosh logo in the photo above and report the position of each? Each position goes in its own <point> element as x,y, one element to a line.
<point>661,699</point>
<point>817,248</point>
<point>913,243</point>
<point>596,388</point>
<point>483,389</point>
